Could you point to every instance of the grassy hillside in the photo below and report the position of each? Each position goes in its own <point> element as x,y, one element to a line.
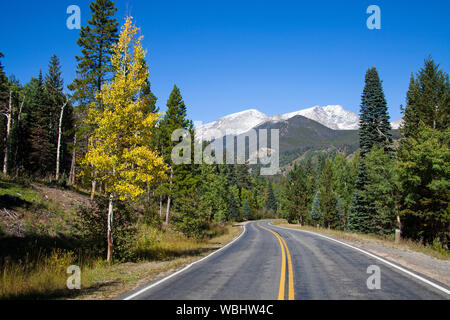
<point>39,239</point>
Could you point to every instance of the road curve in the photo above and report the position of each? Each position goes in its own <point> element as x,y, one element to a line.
<point>269,263</point>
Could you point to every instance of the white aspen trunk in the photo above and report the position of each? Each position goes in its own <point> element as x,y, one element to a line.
<point>58,149</point>
<point>168,211</point>
<point>93,186</point>
<point>73,164</point>
<point>18,123</point>
<point>169,199</point>
<point>109,231</point>
<point>160,206</point>
<point>399,224</point>
<point>8,116</point>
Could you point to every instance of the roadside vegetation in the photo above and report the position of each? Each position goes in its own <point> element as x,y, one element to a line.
<point>433,250</point>
<point>44,232</point>
<point>386,185</point>
<point>88,177</point>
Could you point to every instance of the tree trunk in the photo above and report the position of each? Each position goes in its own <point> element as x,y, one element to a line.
<point>169,199</point>
<point>94,183</point>
<point>399,225</point>
<point>160,206</point>
<point>18,124</point>
<point>8,116</point>
<point>73,164</point>
<point>58,149</point>
<point>109,231</point>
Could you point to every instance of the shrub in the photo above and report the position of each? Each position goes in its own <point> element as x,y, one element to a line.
<point>91,228</point>
<point>191,218</point>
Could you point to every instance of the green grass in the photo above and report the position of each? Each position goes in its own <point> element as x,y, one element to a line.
<point>33,265</point>
<point>43,276</point>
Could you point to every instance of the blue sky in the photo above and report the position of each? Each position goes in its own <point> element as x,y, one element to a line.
<point>227,56</point>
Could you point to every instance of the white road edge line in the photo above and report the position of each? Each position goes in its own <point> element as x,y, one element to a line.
<point>134,295</point>
<point>376,257</point>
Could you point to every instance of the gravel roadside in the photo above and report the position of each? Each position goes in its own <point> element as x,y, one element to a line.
<point>429,266</point>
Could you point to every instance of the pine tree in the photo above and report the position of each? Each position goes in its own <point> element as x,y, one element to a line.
<point>427,100</point>
<point>243,179</point>
<point>271,201</point>
<point>41,154</point>
<point>96,41</point>
<point>20,133</point>
<point>246,212</point>
<point>192,217</point>
<point>316,213</point>
<point>295,198</point>
<point>421,157</point>
<point>344,173</point>
<point>327,196</point>
<point>374,131</point>
<point>58,105</point>
<point>425,180</point>
<point>213,189</point>
<point>382,191</point>
<point>374,119</point>
<point>94,69</point>
<point>182,178</point>
<point>3,86</point>
<point>359,218</point>
<point>233,208</point>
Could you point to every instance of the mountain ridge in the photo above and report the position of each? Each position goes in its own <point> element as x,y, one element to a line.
<point>334,117</point>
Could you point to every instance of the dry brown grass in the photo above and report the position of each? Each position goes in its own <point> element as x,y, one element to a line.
<point>44,276</point>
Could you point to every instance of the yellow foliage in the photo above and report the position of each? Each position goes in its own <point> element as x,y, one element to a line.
<point>119,148</point>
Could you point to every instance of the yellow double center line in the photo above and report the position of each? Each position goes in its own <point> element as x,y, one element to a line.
<point>284,252</point>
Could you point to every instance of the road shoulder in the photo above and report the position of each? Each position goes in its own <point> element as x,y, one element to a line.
<point>419,262</point>
<point>128,277</point>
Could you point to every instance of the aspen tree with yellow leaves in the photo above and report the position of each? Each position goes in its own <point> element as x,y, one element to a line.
<point>119,148</point>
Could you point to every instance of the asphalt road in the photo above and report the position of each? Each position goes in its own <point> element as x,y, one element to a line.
<point>269,263</point>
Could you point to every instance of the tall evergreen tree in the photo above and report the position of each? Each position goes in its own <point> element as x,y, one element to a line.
<point>246,212</point>
<point>233,208</point>
<point>3,85</point>
<point>423,170</point>
<point>374,119</point>
<point>94,69</point>
<point>427,100</point>
<point>425,183</point>
<point>374,130</point>
<point>94,65</point>
<point>359,213</point>
<point>316,212</point>
<point>295,198</point>
<point>182,178</point>
<point>382,191</point>
<point>57,106</point>
<point>327,196</point>
<point>40,140</point>
<point>271,202</point>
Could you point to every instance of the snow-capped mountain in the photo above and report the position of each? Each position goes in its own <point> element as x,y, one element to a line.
<point>397,123</point>
<point>233,124</point>
<point>333,116</point>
